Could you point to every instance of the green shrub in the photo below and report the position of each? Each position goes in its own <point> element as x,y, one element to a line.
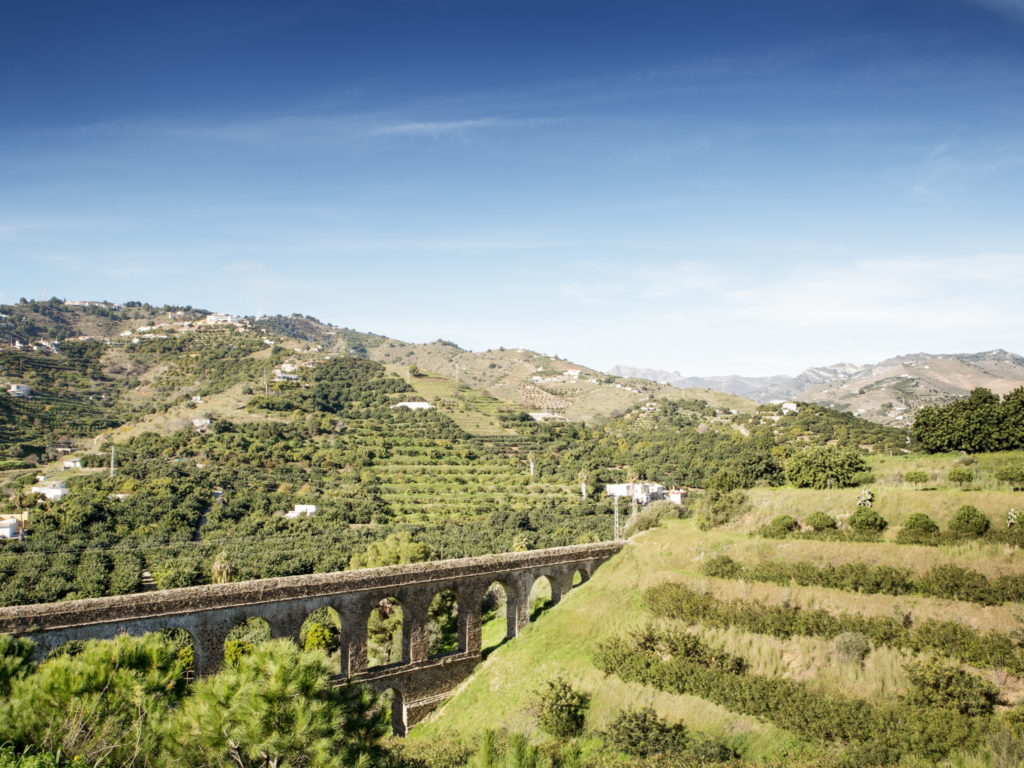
<point>863,478</point>
<point>867,519</point>
<point>722,567</point>
<point>915,476</point>
<point>969,520</point>
<point>824,466</point>
<point>937,685</point>
<point>780,527</point>
<point>234,650</point>
<point>649,518</point>
<point>640,732</point>
<point>820,521</point>
<point>852,647</point>
<point>15,660</point>
<point>960,475</point>
<point>920,522</point>
<point>955,583</point>
<point>320,638</point>
<point>1014,476</point>
<point>562,709</point>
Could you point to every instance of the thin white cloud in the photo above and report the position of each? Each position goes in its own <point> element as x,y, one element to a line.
<point>296,129</point>
<point>1010,7</point>
<point>437,128</point>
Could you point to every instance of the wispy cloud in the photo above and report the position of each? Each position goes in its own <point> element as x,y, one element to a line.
<point>331,129</point>
<point>1010,7</point>
<point>438,128</point>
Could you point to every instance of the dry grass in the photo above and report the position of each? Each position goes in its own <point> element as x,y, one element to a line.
<point>814,660</point>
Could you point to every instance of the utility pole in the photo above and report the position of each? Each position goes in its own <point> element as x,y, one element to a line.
<point>616,517</point>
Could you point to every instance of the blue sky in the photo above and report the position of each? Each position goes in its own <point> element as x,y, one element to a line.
<point>728,187</point>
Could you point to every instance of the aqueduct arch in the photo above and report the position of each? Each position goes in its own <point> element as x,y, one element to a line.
<point>208,613</point>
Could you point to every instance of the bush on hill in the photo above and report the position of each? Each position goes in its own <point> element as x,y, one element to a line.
<point>969,520</point>
<point>820,521</point>
<point>823,467</point>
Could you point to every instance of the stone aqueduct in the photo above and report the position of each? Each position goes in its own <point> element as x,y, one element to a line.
<point>419,682</point>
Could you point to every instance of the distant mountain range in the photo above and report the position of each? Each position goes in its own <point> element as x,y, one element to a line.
<point>887,392</point>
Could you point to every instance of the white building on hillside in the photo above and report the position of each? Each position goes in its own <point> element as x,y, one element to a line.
<point>10,528</point>
<point>301,509</point>
<point>644,493</point>
<point>219,319</point>
<point>19,390</point>
<point>54,491</point>
<point>72,464</point>
<point>676,495</point>
<point>413,406</point>
<point>790,408</point>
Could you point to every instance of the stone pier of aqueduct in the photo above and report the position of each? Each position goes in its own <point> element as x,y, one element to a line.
<point>419,682</point>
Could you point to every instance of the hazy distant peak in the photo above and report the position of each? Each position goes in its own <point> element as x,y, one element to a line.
<point>625,371</point>
<point>943,377</point>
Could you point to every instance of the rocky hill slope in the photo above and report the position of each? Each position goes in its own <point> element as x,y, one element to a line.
<point>887,392</point>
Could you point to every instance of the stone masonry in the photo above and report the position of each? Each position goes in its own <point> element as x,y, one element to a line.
<point>419,682</point>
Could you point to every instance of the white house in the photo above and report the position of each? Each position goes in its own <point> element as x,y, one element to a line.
<point>676,495</point>
<point>54,491</point>
<point>10,528</point>
<point>72,464</point>
<point>413,406</point>
<point>573,373</point>
<point>201,425</point>
<point>790,408</point>
<point>197,399</point>
<point>301,509</point>
<point>645,493</point>
<point>219,319</point>
<point>19,390</point>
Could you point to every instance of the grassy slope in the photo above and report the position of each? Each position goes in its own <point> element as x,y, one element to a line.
<point>563,639</point>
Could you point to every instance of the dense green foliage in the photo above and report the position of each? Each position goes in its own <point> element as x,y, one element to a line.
<point>934,684</point>
<point>125,702</point>
<point>969,520</point>
<point>979,423</point>
<point>825,467</point>
<point>563,709</point>
<point>640,732</point>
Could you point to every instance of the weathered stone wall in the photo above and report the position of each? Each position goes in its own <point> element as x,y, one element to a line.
<point>208,613</point>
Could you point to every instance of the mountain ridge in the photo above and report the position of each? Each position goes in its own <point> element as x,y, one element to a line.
<point>909,382</point>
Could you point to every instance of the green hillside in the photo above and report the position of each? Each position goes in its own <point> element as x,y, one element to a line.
<point>564,640</point>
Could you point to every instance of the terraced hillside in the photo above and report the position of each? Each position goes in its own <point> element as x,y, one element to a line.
<point>431,473</point>
<point>811,650</point>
